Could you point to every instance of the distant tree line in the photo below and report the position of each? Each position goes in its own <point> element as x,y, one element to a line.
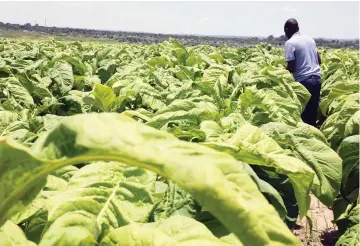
<point>332,43</point>
<point>149,38</point>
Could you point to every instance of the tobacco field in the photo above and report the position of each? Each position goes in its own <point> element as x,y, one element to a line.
<point>128,144</point>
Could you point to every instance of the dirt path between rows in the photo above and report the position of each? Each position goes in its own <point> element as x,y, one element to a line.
<point>324,232</point>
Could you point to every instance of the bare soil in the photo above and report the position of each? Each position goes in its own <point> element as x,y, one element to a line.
<point>324,231</point>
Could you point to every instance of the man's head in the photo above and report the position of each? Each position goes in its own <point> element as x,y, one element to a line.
<point>291,26</point>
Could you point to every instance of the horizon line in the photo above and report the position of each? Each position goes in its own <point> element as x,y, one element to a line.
<point>174,34</point>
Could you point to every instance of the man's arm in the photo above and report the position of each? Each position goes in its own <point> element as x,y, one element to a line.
<point>319,59</point>
<point>291,66</point>
<point>290,57</point>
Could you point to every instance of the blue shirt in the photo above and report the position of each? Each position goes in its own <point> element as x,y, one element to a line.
<point>302,49</point>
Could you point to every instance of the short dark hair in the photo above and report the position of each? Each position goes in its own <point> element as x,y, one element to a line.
<point>292,24</point>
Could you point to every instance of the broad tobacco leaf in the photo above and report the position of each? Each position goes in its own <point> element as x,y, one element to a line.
<point>349,152</point>
<point>62,75</point>
<point>111,194</point>
<point>350,237</point>
<point>250,144</point>
<point>343,121</point>
<point>266,105</point>
<point>14,89</point>
<point>309,145</point>
<point>172,231</point>
<point>216,180</point>
<point>12,235</point>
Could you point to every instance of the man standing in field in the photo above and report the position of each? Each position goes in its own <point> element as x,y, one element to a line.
<point>303,61</point>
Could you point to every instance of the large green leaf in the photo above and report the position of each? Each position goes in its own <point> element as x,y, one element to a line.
<point>349,152</point>
<point>353,125</point>
<point>150,96</point>
<point>112,194</point>
<point>350,237</point>
<point>12,235</point>
<point>160,62</point>
<point>66,172</point>
<point>338,93</point>
<point>106,53</point>
<point>354,215</point>
<point>62,75</point>
<point>305,143</point>
<point>18,130</point>
<point>21,65</point>
<point>175,202</point>
<point>269,192</point>
<point>176,230</point>
<point>215,82</point>
<point>106,69</point>
<point>185,109</point>
<point>4,69</point>
<point>216,180</point>
<point>266,105</point>
<point>37,86</point>
<point>6,119</point>
<point>302,94</point>
<point>12,88</point>
<point>104,97</point>
<point>336,124</point>
<point>79,66</point>
<point>250,144</point>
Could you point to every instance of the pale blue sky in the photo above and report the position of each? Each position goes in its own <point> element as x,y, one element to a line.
<point>317,19</point>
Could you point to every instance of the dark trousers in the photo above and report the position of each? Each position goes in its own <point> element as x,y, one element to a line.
<point>313,85</point>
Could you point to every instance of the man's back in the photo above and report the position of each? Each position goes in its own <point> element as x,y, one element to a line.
<point>302,48</point>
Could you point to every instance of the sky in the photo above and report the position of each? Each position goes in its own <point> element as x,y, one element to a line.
<point>317,19</point>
